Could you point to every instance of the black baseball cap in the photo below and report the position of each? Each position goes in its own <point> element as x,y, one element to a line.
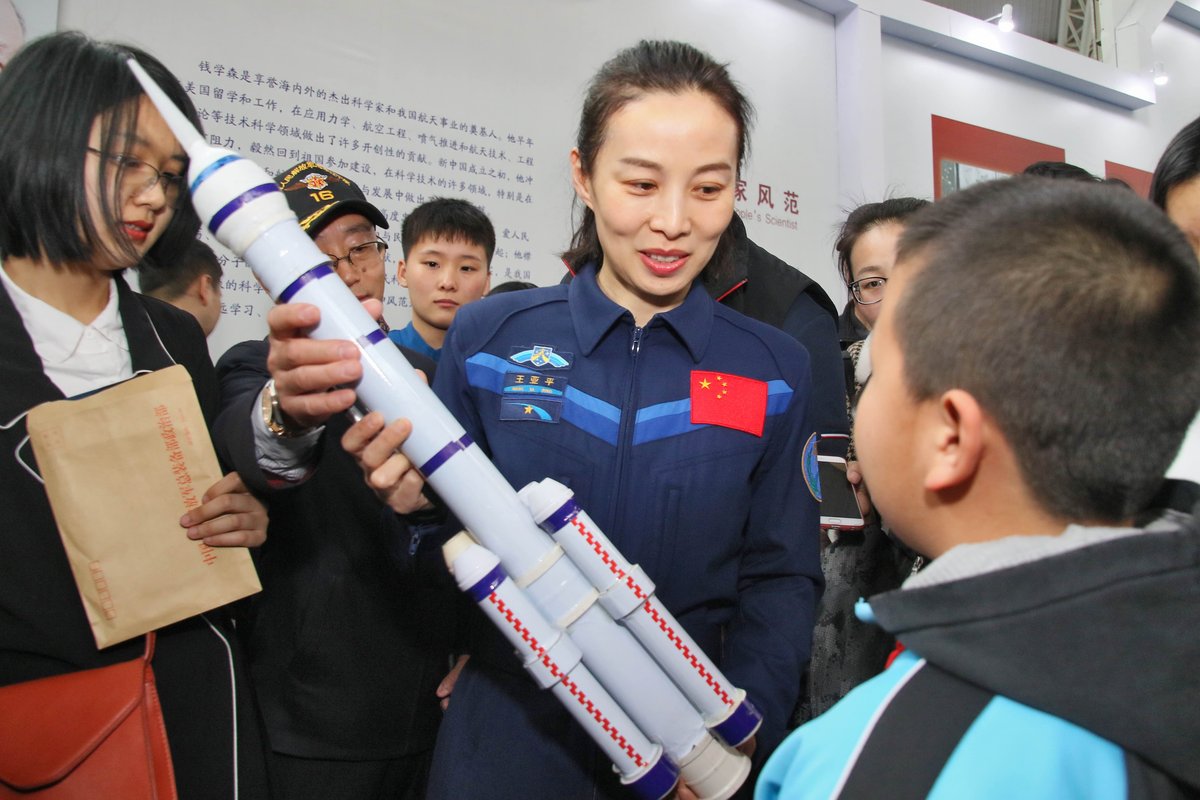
<point>318,195</point>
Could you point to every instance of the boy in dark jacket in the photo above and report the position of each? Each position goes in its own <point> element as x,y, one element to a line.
<point>1036,366</point>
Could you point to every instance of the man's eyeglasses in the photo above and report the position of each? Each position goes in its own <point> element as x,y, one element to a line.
<point>868,291</point>
<point>137,176</point>
<point>364,256</point>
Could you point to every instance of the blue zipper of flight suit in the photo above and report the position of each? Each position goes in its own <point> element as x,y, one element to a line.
<point>628,421</point>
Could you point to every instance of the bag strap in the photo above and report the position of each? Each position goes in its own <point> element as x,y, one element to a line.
<point>903,762</point>
<point>149,654</point>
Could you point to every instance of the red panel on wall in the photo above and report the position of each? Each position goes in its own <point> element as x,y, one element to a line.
<point>959,143</point>
<point>1139,179</point>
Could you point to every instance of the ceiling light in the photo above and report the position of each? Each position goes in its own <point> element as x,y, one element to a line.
<point>1159,74</point>
<point>1004,20</point>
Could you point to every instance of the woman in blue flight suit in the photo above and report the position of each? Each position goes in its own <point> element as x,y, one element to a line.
<point>679,424</point>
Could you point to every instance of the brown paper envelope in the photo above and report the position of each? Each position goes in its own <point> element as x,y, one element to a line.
<point>121,467</point>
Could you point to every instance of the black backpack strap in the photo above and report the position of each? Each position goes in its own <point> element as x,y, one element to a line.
<point>914,736</point>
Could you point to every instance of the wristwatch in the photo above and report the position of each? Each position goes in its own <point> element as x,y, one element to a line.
<point>273,415</point>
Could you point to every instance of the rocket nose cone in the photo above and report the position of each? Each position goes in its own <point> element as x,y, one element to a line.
<point>458,544</point>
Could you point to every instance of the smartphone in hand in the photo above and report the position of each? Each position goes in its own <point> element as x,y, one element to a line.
<point>839,506</point>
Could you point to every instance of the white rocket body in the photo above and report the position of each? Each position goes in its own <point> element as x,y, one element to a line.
<point>627,593</point>
<point>242,206</point>
<point>555,663</point>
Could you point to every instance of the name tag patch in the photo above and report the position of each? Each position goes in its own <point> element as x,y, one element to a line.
<point>532,397</point>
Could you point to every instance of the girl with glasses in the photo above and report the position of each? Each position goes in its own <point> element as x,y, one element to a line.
<point>93,186</point>
<point>866,251</point>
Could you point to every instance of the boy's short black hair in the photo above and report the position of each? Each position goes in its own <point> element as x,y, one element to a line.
<point>170,281</point>
<point>449,218</point>
<point>1071,312</point>
<point>50,95</point>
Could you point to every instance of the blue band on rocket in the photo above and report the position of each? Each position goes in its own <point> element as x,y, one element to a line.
<point>443,455</point>
<point>314,274</point>
<point>561,517</point>
<point>210,169</point>
<point>658,781</point>
<point>487,584</point>
<point>374,337</point>
<point>238,202</point>
<point>738,726</point>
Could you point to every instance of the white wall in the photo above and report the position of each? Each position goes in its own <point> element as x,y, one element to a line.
<point>518,67</point>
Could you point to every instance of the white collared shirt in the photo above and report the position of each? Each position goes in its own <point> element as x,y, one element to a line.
<point>78,358</point>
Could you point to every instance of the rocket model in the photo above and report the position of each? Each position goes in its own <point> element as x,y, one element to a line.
<point>584,620</point>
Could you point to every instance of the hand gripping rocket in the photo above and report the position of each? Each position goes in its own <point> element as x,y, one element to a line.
<point>643,690</point>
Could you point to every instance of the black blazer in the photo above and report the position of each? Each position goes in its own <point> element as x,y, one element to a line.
<point>350,636</point>
<point>43,626</point>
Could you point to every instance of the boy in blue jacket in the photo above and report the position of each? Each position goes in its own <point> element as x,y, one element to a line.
<point>1035,370</point>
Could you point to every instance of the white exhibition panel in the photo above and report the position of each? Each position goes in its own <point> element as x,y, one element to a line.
<point>424,98</point>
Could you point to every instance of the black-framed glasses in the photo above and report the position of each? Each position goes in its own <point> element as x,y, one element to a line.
<point>364,256</point>
<point>868,291</point>
<point>137,176</point>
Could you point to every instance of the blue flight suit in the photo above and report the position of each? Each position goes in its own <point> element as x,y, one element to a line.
<point>721,519</point>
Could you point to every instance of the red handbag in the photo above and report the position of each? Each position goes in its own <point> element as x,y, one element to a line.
<point>85,735</point>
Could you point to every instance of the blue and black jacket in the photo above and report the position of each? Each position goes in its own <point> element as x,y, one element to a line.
<point>1072,676</point>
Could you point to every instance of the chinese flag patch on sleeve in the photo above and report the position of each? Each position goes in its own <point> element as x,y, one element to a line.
<point>730,401</point>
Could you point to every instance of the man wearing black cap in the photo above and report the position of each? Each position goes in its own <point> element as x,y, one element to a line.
<point>350,635</point>
<point>334,212</point>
